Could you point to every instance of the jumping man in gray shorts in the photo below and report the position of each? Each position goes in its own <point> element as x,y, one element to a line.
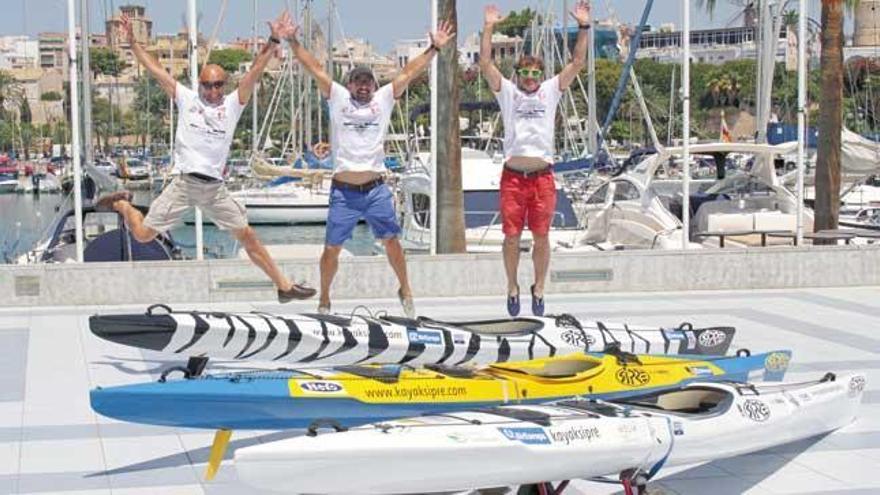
<point>204,134</point>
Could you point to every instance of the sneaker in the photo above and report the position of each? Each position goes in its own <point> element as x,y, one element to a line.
<point>409,308</point>
<point>296,291</point>
<point>537,303</point>
<point>106,202</point>
<point>324,310</point>
<point>513,303</point>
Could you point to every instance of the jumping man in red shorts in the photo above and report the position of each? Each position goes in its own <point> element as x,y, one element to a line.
<point>528,110</point>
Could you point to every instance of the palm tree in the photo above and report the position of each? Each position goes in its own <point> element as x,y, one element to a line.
<point>830,112</point>
<point>830,115</point>
<point>450,197</point>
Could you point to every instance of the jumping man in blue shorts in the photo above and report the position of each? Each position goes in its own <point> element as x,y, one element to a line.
<point>359,116</point>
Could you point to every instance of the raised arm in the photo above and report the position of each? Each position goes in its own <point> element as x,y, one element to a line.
<point>281,28</point>
<point>166,82</point>
<point>581,14</point>
<point>492,16</point>
<point>439,39</point>
<point>311,64</point>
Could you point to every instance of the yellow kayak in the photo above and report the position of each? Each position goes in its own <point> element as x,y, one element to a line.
<point>352,395</point>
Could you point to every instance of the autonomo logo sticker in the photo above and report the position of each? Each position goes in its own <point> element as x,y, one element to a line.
<point>423,337</point>
<point>529,436</point>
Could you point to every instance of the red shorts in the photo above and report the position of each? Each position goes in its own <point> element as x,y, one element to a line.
<point>531,198</point>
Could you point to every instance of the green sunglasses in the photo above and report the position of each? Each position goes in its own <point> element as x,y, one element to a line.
<point>532,73</point>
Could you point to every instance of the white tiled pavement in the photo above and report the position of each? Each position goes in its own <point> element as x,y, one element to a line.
<point>51,441</point>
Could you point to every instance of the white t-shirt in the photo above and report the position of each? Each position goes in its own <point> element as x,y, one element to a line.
<point>529,119</point>
<point>357,132</point>
<point>204,132</point>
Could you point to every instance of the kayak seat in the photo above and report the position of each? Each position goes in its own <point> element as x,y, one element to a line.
<point>687,401</point>
<point>562,368</point>
<point>515,326</point>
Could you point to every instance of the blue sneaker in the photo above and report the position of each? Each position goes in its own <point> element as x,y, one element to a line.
<point>537,304</point>
<point>513,303</point>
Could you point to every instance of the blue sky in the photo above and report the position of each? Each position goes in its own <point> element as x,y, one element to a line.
<point>379,21</point>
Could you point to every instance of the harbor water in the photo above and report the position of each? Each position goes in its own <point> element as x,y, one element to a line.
<point>25,218</point>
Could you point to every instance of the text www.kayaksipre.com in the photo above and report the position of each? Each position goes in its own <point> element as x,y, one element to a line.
<point>410,393</point>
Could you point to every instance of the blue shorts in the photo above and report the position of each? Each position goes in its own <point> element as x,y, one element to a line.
<point>348,206</point>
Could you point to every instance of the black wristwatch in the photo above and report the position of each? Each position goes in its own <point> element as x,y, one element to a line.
<point>585,27</point>
<point>275,40</point>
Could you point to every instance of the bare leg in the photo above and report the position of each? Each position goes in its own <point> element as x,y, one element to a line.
<point>135,221</point>
<point>260,257</point>
<point>541,261</point>
<point>397,259</point>
<point>510,251</point>
<point>329,267</point>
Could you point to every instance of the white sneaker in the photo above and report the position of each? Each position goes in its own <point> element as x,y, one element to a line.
<point>409,309</point>
<point>323,310</point>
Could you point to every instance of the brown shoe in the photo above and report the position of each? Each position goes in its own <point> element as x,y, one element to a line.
<point>296,291</point>
<point>106,202</point>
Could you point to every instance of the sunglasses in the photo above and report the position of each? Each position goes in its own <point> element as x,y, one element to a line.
<point>213,84</point>
<point>532,73</point>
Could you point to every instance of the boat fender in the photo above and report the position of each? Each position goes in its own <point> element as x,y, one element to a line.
<point>312,430</point>
<point>743,353</point>
<point>161,306</point>
<point>829,377</point>
<point>186,373</point>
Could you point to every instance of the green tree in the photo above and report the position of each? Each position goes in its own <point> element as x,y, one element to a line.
<point>102,119</point>
<point>516,23</point>
<point>229,58</point>
<point>106,61</point>
<point>51,96</point>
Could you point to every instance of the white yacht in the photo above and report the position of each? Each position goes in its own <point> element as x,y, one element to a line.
<point>637,209</point>
<point>481,165</point>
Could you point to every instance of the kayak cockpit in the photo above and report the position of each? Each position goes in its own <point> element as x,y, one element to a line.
<point>502,327</point>
<point>692,400</point>
<point>561,367</point>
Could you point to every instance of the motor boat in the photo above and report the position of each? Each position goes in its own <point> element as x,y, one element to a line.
<point>642,207</point>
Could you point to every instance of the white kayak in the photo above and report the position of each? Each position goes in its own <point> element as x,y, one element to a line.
<point>517,445</point>
<point>314,340</point>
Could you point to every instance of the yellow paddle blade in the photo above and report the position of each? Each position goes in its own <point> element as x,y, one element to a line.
<point>218,449</point>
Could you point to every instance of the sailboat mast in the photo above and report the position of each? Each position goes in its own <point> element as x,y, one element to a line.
<point>592,115</point>
<point>74,125</point>
<point>194,83</point>
<point>686,123</point>
<point>85,35</point>
<point>255,139</point>
<point>802,117</point>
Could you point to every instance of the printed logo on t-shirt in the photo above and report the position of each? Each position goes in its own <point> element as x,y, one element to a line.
<point>209,120</point>
<point>531,110</point>
<point>361,119</point>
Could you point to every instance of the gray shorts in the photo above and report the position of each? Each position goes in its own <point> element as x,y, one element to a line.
<point>184,192</point>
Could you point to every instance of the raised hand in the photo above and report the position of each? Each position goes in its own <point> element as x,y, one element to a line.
<point>443,34</point>
<point>492,15</point>
<point>581,13</point>
<point>283,27</point>
<point>127,29</point>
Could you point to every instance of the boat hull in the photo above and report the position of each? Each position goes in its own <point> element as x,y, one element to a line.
<point>504,452</point>
<point>514,445</point>
<point>312,340</point>
<point>357,395</point>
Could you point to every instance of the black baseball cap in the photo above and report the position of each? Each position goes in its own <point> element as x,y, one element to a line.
<point>360,71</point>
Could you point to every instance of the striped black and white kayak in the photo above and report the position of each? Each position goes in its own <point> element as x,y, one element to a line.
<point>519,445</point>
<point>315,340</point>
